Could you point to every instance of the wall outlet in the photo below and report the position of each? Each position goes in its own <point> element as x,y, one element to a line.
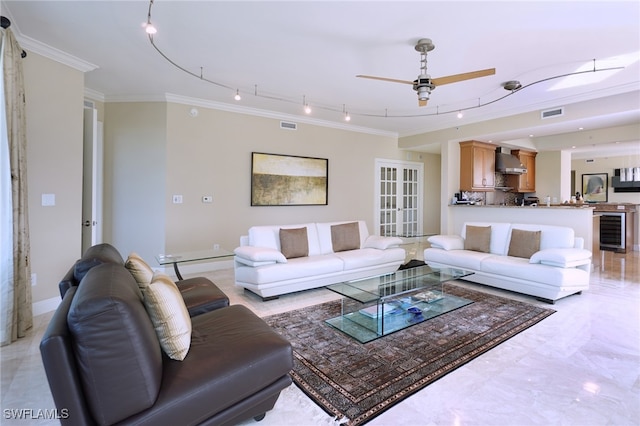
<point>207,199</point>
<point>216,246</point>
<point>177,199</point>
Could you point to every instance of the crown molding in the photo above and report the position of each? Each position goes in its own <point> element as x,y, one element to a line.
<point>221,106</point>
<point>35,46</point>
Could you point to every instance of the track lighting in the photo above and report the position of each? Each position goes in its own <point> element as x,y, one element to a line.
<point>460,114</point>
<point>237,97</point>
<point>148,27</point>
<point>347,117</point>
<point>307,108</point>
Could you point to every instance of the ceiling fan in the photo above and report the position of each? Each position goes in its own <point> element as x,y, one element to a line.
<point>424,84</point>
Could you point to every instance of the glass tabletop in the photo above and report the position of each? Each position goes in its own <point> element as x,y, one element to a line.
<point>397,283</point>
<point>192,256</point>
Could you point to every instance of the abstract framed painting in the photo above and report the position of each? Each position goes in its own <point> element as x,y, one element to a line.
<point>595,187</point>
<point>288,180</point>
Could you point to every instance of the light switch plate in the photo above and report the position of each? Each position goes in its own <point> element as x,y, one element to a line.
<point>177,199</point>
<point>207,199</point>
<point>48,200</point>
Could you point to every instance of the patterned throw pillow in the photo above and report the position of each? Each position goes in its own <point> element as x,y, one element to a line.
<point>169,316</point>
<point>294,242</point>
<point>345,237</point>
<point>140,270</point>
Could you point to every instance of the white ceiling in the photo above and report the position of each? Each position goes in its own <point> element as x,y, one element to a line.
<point>305,50</point>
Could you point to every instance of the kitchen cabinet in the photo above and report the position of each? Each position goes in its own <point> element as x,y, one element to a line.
<point>477,166</point>
<point>525,182</point>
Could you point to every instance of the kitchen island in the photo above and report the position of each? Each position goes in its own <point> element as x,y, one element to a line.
<point>580,218</point>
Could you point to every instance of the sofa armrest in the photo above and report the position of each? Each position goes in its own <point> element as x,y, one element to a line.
<point>380,242</point>
<point>256,256</point>
<point>562,257</point>
<point>578,243</point>
<point>446,242</point>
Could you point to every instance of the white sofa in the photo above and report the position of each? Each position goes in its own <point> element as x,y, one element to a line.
<point>559,267</point>
<point>262,268</point>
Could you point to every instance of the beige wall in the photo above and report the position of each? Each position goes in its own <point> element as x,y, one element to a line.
<point>210,154</point>
<point>54,98</point>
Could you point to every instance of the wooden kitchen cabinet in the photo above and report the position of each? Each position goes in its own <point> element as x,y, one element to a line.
<point>525,182</point>
<point>477,166</point>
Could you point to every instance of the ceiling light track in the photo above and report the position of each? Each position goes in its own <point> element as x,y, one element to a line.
<point>513,86</point>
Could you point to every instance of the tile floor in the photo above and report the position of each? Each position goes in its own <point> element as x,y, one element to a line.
<point>580,366</point>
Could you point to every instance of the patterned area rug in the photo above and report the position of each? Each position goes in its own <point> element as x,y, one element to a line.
<point>357,382</point>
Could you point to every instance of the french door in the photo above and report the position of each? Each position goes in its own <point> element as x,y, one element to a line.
<point>399,197</point>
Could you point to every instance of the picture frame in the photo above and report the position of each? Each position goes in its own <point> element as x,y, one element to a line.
<point>288,180</point>
<point>595,187</point>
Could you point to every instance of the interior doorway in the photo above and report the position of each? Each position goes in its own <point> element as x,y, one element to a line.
<point>399,189</point>
<point>92,178</point>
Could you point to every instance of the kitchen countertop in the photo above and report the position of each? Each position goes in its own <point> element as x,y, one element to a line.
<point>540,206</point>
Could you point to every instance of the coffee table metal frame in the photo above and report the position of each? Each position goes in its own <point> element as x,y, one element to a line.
<point>191,256</point>
<point>378,306</point>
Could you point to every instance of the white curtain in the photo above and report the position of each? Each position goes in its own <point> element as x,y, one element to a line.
<point>16,315</point>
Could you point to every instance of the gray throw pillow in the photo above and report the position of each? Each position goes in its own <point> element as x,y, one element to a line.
<point>478,238</point>
<point>524,243</point>
<point>294,242</point>
<point>345,237</point>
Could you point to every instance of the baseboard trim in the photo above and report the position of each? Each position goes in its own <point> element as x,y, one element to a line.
<point>44,306</point>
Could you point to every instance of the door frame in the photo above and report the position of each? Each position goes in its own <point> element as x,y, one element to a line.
<point>92,182</point>
<point>400,164</point>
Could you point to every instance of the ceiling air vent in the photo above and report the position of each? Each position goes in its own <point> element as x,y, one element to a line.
<point>289,126</point>
<point>556,112</point>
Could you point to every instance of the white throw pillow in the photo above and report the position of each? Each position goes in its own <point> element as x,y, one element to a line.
<point>260,254</point>
<point>381,243</point>
<point>562,257</point>
<point>140,270</point>
<point>446,242</point>
<point>169,316</point>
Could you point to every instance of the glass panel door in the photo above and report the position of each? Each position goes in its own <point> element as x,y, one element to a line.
<point>399,198</point>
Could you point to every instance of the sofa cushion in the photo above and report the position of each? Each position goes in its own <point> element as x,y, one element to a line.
<point>446,242</point>
<point>524,243</point>
<point>298,268</point>
<point>519,268</point>
<point>551,236</point>
<point>256,256</point>
<point>381,243</point>
<point>324,234</point>
<point>118,357</point>
<point>368,257</point>
<point>140,269</point>
<point>233,355</point>
<point>465,259</point>
<point>478,238</point>
<point>500,232</point>
<point>94,256</point>
<point>294,242</point>
<point>169,316</point>
<point>345,236</point>
<point>562,258</point>
<point>269,236</point>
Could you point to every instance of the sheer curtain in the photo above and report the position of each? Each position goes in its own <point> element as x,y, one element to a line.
<point>15,287</point>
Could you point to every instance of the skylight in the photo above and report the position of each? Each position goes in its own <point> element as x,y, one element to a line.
<point>619,62</point>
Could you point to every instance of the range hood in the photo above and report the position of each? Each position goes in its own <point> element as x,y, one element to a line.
<point>508,164</point>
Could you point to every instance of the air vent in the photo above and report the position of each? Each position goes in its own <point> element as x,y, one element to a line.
<point>552,113</point>
<point>289,126</point>
<point>88,104</point>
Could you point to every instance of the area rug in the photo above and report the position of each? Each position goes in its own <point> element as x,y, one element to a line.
<point>356,382</point>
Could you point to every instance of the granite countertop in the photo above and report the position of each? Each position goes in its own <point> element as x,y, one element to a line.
<point>540,206</point>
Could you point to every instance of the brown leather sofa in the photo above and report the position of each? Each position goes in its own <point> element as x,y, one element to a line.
<point>105,365</point>
<point>200,294</point>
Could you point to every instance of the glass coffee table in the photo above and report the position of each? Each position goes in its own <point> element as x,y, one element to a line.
<point>378,306</point>
<point>191,256</point>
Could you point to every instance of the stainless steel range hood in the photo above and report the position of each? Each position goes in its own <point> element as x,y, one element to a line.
<point>508,164</point>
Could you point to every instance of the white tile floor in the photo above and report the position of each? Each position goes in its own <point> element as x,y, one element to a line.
<point>580,366</point>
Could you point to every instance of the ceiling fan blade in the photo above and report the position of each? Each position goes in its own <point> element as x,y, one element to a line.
<point>422,103</point>
<point>392,80</point>
<point>461,77</point>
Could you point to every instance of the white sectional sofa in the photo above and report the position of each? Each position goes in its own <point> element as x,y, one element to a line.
<point>275,260</point>
<point>556,267</point>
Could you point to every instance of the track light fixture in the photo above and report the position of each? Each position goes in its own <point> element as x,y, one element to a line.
<point>307,108</point>
<point>512,86</point>
<point>148,27</point>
